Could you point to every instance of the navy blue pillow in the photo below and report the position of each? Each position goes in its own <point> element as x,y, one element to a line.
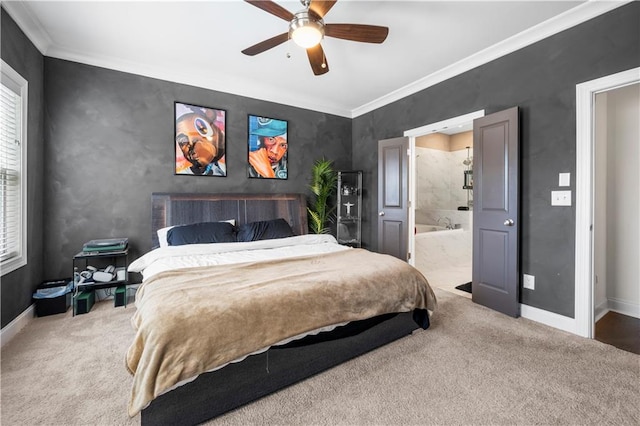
<point>264,230</point>
<point>201,233</point>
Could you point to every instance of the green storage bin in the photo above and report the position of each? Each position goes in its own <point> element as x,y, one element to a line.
<point>84,302</point>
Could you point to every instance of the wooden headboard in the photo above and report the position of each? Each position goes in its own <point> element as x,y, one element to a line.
<point>168,209</point>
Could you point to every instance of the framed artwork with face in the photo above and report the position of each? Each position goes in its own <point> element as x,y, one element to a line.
<point>200,142</point>
<point>268,148</point>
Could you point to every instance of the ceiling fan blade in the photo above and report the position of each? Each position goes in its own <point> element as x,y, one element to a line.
<point>266,44</point>
<point>317,60</point>
<point>272,8</point>
<point>321,7</point>
<point>356,32</point>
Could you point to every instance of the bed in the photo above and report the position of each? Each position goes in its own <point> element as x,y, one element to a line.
<point>223,320</point>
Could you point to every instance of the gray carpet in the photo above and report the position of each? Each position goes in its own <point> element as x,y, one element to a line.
<point>474,366</point>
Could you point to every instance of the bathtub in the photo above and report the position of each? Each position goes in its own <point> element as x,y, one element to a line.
<point>422,228</point>
<point>439,249</point>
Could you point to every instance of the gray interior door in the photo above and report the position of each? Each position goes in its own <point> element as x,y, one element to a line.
<point>393,197</point>
<point>496,268</point>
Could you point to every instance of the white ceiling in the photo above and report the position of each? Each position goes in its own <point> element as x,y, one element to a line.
<point>200,43</point>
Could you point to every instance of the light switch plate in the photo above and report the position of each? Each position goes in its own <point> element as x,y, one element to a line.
<point>529,281</point>
<point>560,198</point>
<point>564,179</point>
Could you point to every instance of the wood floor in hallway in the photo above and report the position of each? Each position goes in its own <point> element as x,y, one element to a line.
<point>621,331</point>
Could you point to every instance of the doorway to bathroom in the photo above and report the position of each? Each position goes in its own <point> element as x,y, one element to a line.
<point>441,201</point>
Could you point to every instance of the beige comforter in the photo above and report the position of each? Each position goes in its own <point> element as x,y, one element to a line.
<point>195,320</point>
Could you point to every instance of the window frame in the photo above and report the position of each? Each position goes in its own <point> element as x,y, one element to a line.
<point>14,81</point>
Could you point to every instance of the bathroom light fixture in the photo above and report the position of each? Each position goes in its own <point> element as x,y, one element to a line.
<point>305,30</point>
<point>469,160</point>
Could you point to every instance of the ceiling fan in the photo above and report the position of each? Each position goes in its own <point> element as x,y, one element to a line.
<point>307,29</point>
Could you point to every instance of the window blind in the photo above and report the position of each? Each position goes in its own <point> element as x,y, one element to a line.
<point>10,174</point>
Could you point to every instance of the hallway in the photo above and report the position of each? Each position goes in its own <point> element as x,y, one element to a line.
<point>621,331</point>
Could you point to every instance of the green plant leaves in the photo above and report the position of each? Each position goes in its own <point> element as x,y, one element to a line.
<point>323,185</point>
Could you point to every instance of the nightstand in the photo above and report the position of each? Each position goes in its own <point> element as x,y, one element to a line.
<point>84,292</point>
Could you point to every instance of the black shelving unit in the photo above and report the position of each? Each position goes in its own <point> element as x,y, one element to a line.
<point>349,208</point>
<point>100,260</point>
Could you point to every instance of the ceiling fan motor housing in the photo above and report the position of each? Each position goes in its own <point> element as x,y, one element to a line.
<point>306,28</point>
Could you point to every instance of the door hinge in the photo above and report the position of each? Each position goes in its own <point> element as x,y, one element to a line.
<point>409,256</point>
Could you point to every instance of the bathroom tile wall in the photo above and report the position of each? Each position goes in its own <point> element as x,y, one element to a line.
<point>439,193</point>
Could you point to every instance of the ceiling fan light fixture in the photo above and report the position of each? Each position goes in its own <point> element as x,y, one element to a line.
<point>306,31</point>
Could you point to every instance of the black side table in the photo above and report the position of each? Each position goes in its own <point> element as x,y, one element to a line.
<point>100,260</point>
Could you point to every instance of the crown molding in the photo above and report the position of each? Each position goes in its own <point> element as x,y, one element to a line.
<point>29,24</point>
<point>34,30</point>
<point>203,80</point>
<point>568,19</point>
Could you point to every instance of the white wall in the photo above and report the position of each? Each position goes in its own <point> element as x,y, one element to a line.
<point>617,201</point>
<point>623,199</point>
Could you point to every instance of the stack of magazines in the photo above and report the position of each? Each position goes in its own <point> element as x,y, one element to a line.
<point>106,245</point>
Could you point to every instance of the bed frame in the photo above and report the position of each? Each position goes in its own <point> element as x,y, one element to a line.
<point>183,209</point>
<point>237,384</point>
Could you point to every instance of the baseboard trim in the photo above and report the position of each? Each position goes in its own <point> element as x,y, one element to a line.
<point>14,327</point>
<point>623,307</point>
<point>601,310</point>
<point>549,318</point>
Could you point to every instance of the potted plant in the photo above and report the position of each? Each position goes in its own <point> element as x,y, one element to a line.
<point>323,185</point>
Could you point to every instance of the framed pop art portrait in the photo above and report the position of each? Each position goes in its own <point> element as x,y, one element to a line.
<point>268,148</point>
<point>200,142</point>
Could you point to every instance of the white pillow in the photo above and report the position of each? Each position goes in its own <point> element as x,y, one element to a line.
<point>162,233</point>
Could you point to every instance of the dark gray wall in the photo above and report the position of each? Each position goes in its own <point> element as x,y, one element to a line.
<point>17,287</point>
<point>110,144</point>
<point>541,79</point>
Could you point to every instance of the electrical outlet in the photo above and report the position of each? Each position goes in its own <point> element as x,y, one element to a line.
<point>560,198</point>
<point>529,281</point>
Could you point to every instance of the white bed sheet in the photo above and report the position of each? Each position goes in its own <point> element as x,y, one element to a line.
<point>193,255</point>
